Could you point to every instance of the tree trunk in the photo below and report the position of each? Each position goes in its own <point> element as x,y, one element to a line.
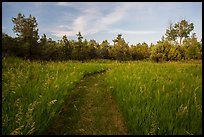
<point>180,40</point>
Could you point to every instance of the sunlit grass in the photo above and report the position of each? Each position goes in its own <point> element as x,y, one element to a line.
<point>158,98</point>
<point>155,98</point>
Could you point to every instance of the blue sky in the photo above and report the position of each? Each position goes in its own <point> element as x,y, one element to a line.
<point>137,21</point>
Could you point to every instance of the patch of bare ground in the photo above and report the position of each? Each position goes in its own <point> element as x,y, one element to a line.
<point>89,110</point>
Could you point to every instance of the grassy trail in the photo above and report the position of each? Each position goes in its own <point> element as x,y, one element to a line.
<point>89,110</point>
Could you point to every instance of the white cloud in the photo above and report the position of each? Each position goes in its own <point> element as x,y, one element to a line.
<point>65,3</point>
<point>59,33</point>
<point>92,20</point>
<point>114,16</point>
<point>139,32</point>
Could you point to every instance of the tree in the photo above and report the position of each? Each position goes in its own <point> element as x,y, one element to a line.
<point>10,45</point>
<point>66,48</point>
<point>180,30</point>
<point>85,51</point>
<point>192,48</point>
<point>42,48</point>
<point>26,30</point>
<point>92,48</point>
<point>183,29</point>
<point>171,33</point>
<point>121,48</point>
<point>160,52</point>
<point>43,40</point>
<point>104,52</point>
<point>77,52</point>
<point>79,37</point>
<point>65,40</point>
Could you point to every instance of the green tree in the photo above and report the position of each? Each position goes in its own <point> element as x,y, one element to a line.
<point>180,30</point>
<point>26,30</point>
<point>140,51</point>
<point>192,48</point>
<point>121,48</point>
<point>85,51</point>
<point>104,49</point>
<point>66,48</point>
<point>53,50</point>
<point>92,47</point>
<point>65,40</point>
<point>176,53</point>
<point>77,52</point>
<point>43,40</point>
<point>10,46</point>
<point>171,33</point>
<point>160,51</point>
<point>79,37</point>
<point>42,48</point>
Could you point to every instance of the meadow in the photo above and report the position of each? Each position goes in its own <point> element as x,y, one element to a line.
<point>158,98</point>
<point>154,98</point>
<point>33,92</point>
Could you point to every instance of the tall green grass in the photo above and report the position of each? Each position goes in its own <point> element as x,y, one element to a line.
<point>154,98</point>
<point>161,99</point>
<point>33,92</point>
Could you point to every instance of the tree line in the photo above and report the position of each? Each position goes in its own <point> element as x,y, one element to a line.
<point>29,45</point>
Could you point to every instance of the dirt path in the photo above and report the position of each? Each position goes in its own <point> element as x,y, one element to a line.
<point>89,110</point>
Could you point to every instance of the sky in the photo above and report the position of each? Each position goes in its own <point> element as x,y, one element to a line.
<point>138,22</point>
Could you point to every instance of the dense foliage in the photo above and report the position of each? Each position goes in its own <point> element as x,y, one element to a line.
<point>29,45</point>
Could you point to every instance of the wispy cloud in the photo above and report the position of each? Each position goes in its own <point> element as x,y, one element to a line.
<point>104,20</point>
<point>139,32</point>
<point>92,20</point>
<point>65,3</point>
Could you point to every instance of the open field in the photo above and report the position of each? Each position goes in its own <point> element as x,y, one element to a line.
<point>154,98</point>
<point>163,98</point>
<point>33,92</point>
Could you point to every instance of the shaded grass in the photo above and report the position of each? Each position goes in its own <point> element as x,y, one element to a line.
<point>33,92</point>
